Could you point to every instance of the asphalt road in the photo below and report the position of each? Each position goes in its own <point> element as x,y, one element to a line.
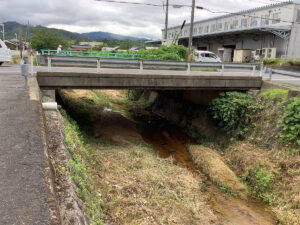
<point>22,162</point>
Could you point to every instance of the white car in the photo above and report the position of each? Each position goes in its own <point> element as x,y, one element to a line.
<point>206,56</point>
<point>4,53</point>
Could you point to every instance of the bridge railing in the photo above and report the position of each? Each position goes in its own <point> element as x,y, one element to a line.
<point>98,62</point>
<point>97,54</point>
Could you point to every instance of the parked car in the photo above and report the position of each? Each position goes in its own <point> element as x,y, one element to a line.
<point>4,53</point>
<point>206,56</point>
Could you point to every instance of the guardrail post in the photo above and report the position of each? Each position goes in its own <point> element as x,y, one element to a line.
<point>25,70</point>
<point>49,63</point>
<point>270,73</point>
<point>31,64</point>
<point>253,70</point>
<point>141,65</point>
<point>223,68</point>
<point>98,65</point>
<point>261,69</point>
<point>188,68</point>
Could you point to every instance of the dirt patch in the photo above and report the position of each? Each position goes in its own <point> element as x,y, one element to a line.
<point>116,128</point>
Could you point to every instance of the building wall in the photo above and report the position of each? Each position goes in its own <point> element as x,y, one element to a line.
<point>256,18</point>
<point>294,42</point>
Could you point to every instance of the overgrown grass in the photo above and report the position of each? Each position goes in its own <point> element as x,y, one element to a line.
<point>81,175</point>
<point>275,94</point>
<point>259,181</point>
<point>278,61</point>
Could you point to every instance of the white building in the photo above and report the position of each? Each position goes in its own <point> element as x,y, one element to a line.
<point>271,31</point>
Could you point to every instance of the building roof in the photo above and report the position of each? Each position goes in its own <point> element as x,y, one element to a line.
<point>240,13</point>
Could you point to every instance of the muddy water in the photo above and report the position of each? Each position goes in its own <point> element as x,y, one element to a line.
<point>168,140</point>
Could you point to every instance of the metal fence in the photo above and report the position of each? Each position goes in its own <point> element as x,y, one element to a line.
<point>97,62</point>
<point>97,54</point>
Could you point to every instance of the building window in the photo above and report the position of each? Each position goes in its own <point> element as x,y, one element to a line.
<point>265,20</point>
<point>276,18</point>
<point>185,32</point>
<point>206,29</point>
<point>212,28</point>
<point>226,25</point>
<point>244,23</point>
<point>298,16</point>
<point>253,22</point>
<point>195,30</point>
<point>200,30</point>
<point>219,26</point>
<point>234,24</point>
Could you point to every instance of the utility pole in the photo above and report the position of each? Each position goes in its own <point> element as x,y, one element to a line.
<point>189,59</point>
<point>2,29</point>
<point>166,22</point>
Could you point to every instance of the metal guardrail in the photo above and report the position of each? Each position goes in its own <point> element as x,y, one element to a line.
<point>135,63</point>
<point>285,72</point>
<point>94,54</point>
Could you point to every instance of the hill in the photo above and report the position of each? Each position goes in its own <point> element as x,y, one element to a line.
<point>110,36</point>
<point>12,28</point>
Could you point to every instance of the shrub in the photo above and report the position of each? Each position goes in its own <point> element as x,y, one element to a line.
<point>260,181</point>
<point>233,111</point>
<point>290,123</point>
<point>173,52</point>
<point>274,61</point>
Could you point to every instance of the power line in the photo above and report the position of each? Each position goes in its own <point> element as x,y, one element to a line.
<point>198,7</point>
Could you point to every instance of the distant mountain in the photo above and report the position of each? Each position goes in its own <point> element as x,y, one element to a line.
<point>110,36</point>
<point>12,28</point>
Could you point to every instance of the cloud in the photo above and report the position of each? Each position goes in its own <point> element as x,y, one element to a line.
<point>90,15</point>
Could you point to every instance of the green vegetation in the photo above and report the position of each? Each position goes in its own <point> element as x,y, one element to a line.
<point>82,153</point>
<point>233,111</point>
<point>275,94</point>
<point>290,124</point>
<point>260,181</point>
<point>173,52</point>
<point>134,95</point>
<point>278,61</point>
<point>44,39</point>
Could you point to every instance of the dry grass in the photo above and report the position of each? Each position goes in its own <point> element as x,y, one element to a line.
<point>141,188</point>
<point>285,194</point>
<point>213,165</point>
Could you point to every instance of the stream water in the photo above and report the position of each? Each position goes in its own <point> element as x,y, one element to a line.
<point>169,140</point>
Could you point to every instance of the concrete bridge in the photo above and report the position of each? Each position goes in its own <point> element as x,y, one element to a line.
<point>147,79</point>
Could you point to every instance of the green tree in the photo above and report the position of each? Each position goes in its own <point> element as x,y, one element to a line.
<point>44,39</point>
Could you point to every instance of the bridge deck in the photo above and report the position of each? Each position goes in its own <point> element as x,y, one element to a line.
<point>146,79</point>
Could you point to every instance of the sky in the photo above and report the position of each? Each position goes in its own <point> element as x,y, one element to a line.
<point>135,20</point>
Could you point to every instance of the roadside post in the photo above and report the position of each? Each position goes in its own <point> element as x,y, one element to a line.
<point>98,65</point>
<point>25,70</point>
<point>141,65</point>
<point>261,69</point>
<point>253,70</point>
<point>49,64</point>
<point>223,68</point>
<point>270,73</point>
<point>31,64</point>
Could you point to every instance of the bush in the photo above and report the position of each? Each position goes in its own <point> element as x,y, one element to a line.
<point>260,182</point>
<point>233,111</point>
<point>290,123</point>
<point>173,52</point>
<point>274,61</point>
